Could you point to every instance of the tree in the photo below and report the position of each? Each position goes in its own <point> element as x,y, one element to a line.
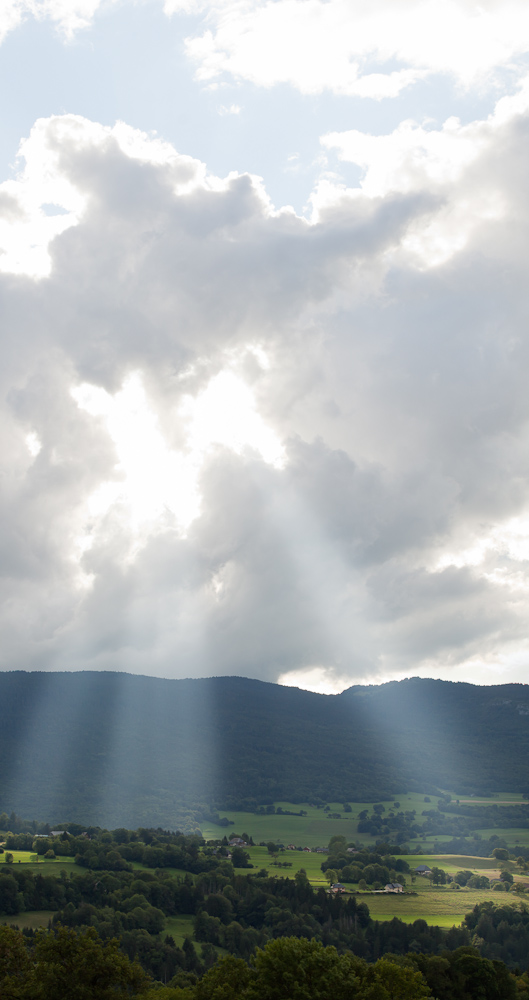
<point>227,980</point>
<point>500,854</point>
<point>388,980</point>
<point>121,835</point>
<point>292,968</point>
<point>507,877</point>
<point>8,858</point>
<point>14,961</point>
<point>438,876</point>
<point>478,882</point>
<point>79,966</point>
<point>462,877</point>
<point>240,858</point>
<point>331,876</point>
<point>271,847</point>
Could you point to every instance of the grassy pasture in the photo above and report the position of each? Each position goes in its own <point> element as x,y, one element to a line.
<point>513,835</point>
<point>437,911</point>
<point>54,867</point>
<point>498,798</point>
<point>179,927</point>
<point>315,830</point>
<point>260,857</point>
<point>436,904</point>
<point>20,857</point>
<point>33,918</point>
<point>312,830</point>
<point>453,863</point>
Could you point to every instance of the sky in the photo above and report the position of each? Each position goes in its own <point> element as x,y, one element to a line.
<point>265,339</point>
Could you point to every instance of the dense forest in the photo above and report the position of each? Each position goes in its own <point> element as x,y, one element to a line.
<point>118,749</point>
<point>283,938</point>
<point>81,966</point>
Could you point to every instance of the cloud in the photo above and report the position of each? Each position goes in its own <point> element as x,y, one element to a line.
<point>445,162</point>
<point>70,16</point>
<point>368,50</point>
<point>349,422</point>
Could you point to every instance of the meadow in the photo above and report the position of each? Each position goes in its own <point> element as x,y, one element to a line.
<point>315,829</point>
<point>312,830</point>
<point>33,918</point>
<point>20,857</point>
<point>42,866</point>
<point>179,927</point>
<point>438,905</point>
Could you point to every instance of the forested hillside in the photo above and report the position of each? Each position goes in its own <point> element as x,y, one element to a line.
<point>119,749</point>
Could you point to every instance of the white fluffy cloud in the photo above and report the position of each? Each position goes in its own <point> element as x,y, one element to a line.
<point>68,15</point>
<point>238,441</point>
<point>446,163</point>
<point>369,50</point>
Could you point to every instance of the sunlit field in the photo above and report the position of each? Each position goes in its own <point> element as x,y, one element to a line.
<point>439,905</point>
<point>453,863</point>
<point>20,857</point>
<point>298,860</point>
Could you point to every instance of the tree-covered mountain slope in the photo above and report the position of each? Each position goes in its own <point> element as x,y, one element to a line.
<point>120,749</point>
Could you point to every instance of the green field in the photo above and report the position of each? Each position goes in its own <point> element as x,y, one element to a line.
<point>513,835</point>
<point>260,858</point>
<point>51,867</point>
<point>439,905</point>
<point>315,830</point>
<point>452,863</point>
<point>20,857</point>
<point>33,918</point>
<point>179,927</point>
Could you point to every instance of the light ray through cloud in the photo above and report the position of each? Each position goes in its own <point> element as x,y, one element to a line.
<point>153,480</point>
<point>236,437</point>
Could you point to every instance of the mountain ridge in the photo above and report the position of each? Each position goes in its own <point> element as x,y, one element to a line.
<point>127,749</point>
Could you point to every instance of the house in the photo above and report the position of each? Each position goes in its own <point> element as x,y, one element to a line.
<point>352,850</point>
<point>338,887</point>
<point>237,842</point>
<point>307,849</point>
<point>393,887</point>
<point>291,847</point>
<point>57,833</point>
<point>422,870</point>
